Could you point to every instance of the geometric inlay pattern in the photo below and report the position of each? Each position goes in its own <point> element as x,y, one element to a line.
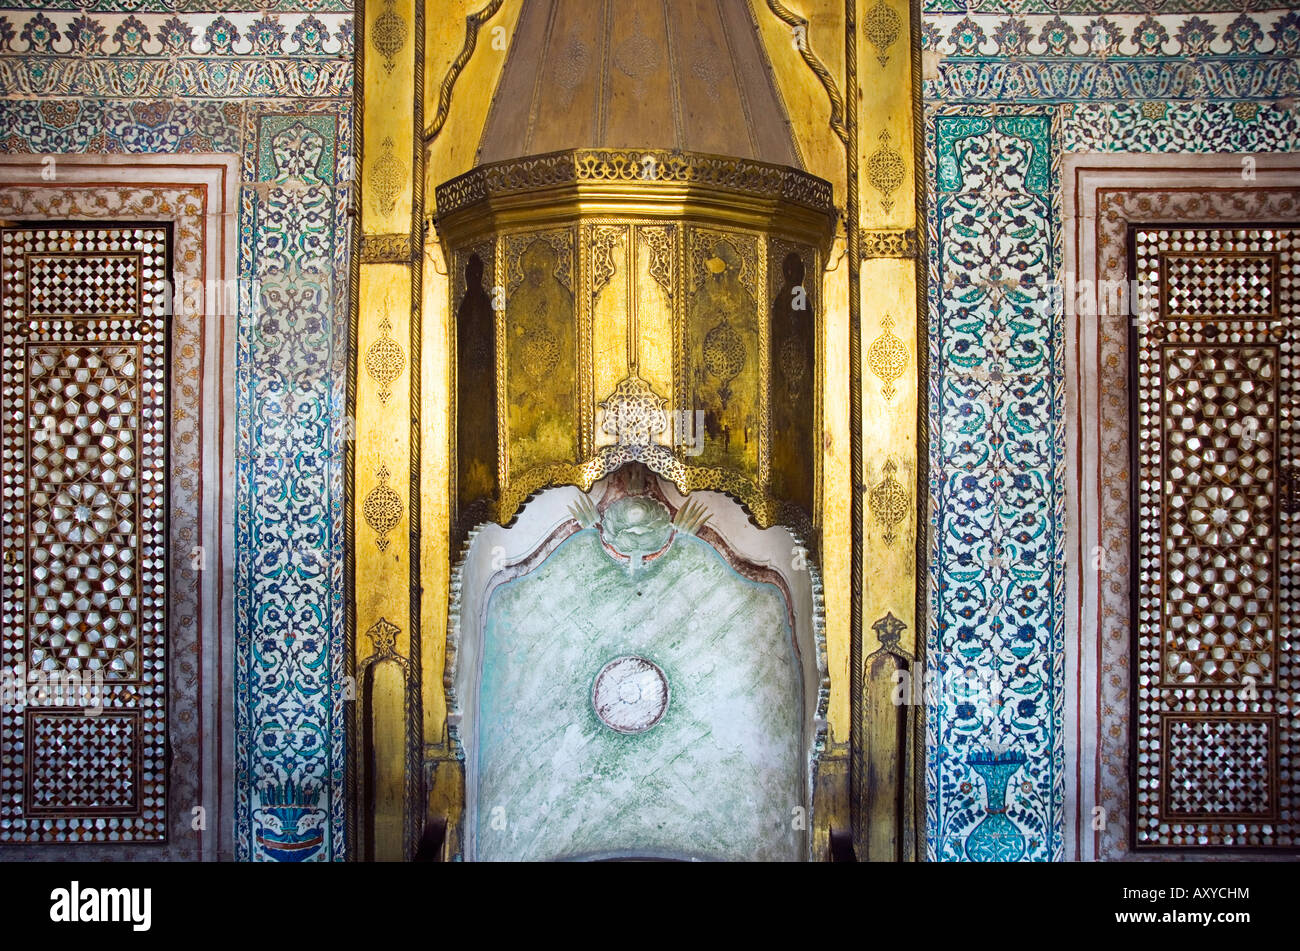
<point>84,495</point>
<point>1207,287</point>
<point>1219,413</point>
<point>65,285</point>
<point>82,762</point>
<point>1235,751</point>
<point>83,587</point>
<point>1215,588</point>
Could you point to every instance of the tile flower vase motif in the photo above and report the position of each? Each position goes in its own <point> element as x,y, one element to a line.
<point>996,838</point>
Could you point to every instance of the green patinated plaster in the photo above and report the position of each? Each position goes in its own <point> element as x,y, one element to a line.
<point>719,776</point>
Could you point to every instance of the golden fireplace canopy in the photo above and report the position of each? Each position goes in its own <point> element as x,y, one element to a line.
<point>636,305</point>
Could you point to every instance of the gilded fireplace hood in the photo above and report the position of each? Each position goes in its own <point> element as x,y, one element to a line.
<point>616,305</point>
<point>635,265</point>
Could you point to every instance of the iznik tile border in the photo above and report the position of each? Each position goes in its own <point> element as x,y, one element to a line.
<point>290,377</point>
<point>45,32</point>
<point>1031,7</point>
<point>185,6</point>
<point>33,77</point>
<point>251,55</point>
<point>1155,126</point>
<point>99,126</point>
<point>1036,59</point>
<point>1012,80</point>
<point>1126,35</point>
<point>996,391</point>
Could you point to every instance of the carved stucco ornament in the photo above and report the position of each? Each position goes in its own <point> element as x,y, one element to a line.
<point>630,694</point>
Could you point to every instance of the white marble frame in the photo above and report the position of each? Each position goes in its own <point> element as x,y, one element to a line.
<point>217,176</point>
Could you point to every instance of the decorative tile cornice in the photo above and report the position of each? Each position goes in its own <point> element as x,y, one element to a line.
<point>992,8</point>
<point>140,7</point>
<point>128,78</point>
<point>1115,35</point>
<point>1116,80</point>
<point>49,32</point>
<point>1239,128</point>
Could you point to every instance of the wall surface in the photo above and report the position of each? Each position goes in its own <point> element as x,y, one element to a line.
<point>1006,97</point>
<point>270,83</point>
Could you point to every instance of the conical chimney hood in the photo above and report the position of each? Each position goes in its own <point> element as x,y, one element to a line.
<point>685,75</point>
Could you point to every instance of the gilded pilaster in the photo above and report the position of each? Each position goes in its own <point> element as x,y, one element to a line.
<point>384,463</point>
<point>891,478</point>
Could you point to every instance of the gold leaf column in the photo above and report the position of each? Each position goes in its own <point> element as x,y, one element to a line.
<point>383,524</point>
<point>890,375</point>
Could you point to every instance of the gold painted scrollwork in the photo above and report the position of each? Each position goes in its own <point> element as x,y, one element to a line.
<point>885,169</point>
<point>602,239</point>
<point>888,358</point>
<point>634,413</point>
<point>889,244</point>
<point>383,634</point>
<point>637,415</point>
<point>388,34</point>
<point>890,502</point>
<point>538,328</point>
<point>385,248</point>
<point>671,169</point>
<point>660,242</point>
<point>388,178</point>
<point>385,360</point>
<point>382,508</point>
<point>881,27</point>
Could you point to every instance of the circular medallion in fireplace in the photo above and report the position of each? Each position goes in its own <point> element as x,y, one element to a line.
<point>630,694</point>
